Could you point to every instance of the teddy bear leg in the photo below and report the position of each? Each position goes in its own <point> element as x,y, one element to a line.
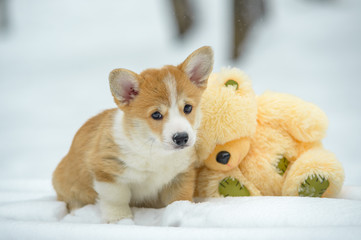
<point>316,173</point>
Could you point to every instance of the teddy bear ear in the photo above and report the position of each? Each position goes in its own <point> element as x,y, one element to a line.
<point>232,83</point>
<point>232,79</point>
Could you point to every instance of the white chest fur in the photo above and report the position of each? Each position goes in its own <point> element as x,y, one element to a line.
<point>148,167</point>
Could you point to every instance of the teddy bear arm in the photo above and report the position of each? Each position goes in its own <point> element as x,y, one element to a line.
<point>303,120</point>
<point>306,123</point>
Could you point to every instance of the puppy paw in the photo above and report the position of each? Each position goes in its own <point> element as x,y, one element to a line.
<point>231,187</point>
<point>113,214</point>
<point>313,186</point>
<point>126,221</point>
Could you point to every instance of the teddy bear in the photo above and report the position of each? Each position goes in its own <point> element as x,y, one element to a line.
<point>229,120</point>
<point>266,145</point>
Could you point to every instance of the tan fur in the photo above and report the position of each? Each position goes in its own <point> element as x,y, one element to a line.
<point>181,188</point>
<point>95,155</point>
<point>92,155</point>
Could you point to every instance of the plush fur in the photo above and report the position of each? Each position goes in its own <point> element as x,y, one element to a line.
<point>228,123</point>
<point>228,113</point>
<point>286,127</point>
<point>124,157</point>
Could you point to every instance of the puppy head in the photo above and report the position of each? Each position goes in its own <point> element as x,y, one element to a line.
<point>161,106</point>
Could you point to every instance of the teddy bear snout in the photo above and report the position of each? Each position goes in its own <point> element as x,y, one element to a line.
<point>223,157</point>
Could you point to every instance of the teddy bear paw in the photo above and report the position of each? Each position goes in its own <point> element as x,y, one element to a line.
<point>313,186</point>
<point>231,187</point>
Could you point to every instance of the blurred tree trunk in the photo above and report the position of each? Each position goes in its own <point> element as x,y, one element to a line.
<point>183,14</point>
<point>245,14</point>
<point>3,15</point>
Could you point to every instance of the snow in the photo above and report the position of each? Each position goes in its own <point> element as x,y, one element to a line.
<point>44,217</point>
<point>54,63</point>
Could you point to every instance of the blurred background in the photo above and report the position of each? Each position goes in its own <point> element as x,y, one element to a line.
<point>55,57</point>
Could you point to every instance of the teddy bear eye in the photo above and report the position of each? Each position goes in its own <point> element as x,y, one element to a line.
<point>223,157</point>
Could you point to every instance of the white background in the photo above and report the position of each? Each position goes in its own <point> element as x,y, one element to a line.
<point>56,56</point>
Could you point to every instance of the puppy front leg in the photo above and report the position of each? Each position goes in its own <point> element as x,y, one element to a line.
<point>113,200</point>
<point>181,188</point>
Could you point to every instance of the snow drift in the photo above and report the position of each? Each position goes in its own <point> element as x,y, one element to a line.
<point>40,216</point>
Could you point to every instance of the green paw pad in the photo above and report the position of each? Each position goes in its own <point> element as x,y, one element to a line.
<point>230,187</point>
<point>282,166</point>
<point>313,187</point>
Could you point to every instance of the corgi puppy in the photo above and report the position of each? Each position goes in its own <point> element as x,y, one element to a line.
<point>142,152</point>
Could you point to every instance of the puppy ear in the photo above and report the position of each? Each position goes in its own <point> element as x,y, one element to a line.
<point>124,85</point>
<point>198,66</point>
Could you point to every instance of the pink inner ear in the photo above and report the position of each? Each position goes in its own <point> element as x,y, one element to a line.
<point>129,92</point>
<point>196,75</point>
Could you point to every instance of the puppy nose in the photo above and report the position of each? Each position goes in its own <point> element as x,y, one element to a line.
<point>180,138</point>
<point>223,157</point>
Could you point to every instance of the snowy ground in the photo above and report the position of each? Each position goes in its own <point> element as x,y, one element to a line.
<point>28,210</point>
<point>54,63</point>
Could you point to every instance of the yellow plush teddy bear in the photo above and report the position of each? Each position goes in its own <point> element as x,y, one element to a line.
<point>265,145</point>
<point>229,113</point>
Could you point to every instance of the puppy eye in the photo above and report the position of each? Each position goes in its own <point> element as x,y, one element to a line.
<point>157,115</point>
<point>187,109</point>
